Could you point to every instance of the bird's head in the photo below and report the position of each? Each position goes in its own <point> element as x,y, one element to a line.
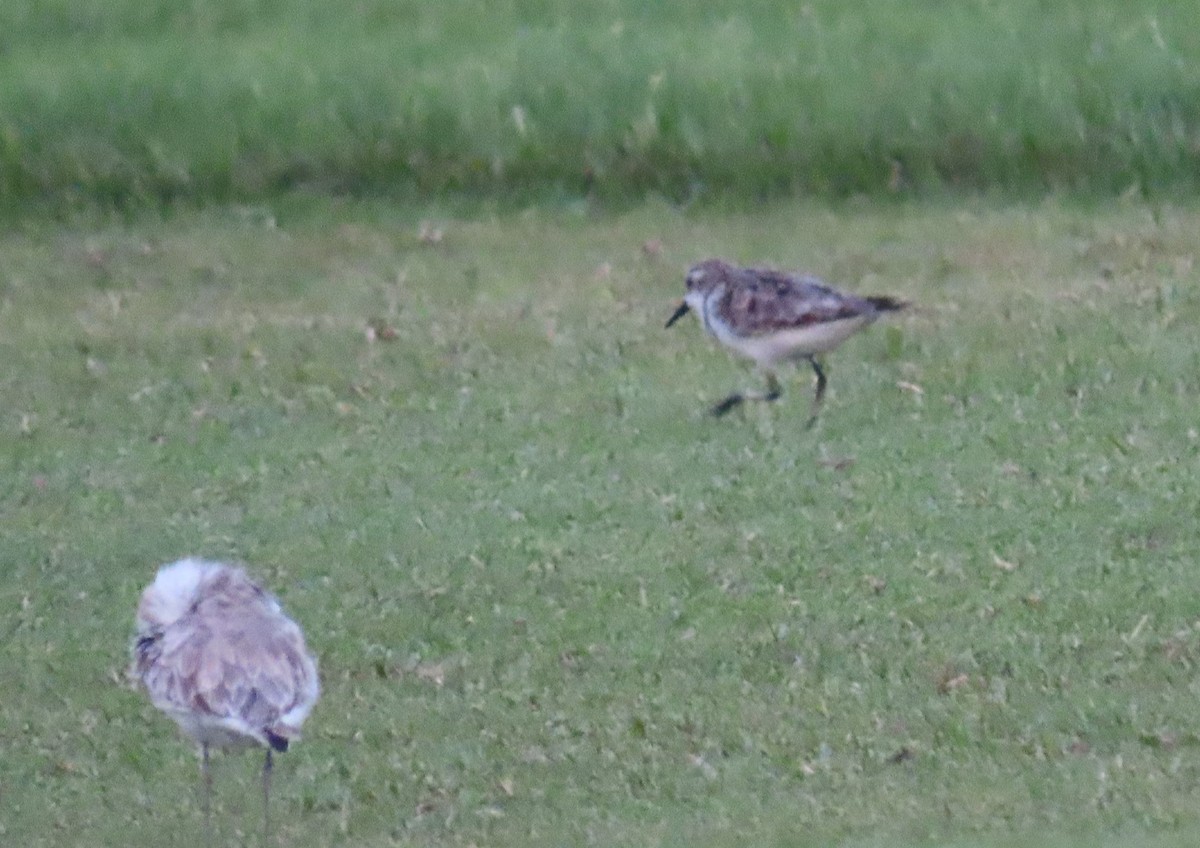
<point>701,279</point>
<point>172,593</point>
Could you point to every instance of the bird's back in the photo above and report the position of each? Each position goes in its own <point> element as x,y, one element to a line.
<point>763,301</point>
<point>233,669</point>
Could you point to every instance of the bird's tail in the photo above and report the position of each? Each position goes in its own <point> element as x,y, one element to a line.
<point>887,304</point>
<point>275,740</point>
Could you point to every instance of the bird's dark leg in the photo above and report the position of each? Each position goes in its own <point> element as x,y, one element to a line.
<point>821,381</point>
<point>206,774</point>
<point>268,765</point>
<point>729,403</point>
<point>772,393</point>
<point>774,390</point>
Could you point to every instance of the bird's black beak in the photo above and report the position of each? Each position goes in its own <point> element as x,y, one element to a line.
<point>679,313</point>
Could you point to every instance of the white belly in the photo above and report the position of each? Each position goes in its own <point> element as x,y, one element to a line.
<point>794,343</point>
<point>216,732</point>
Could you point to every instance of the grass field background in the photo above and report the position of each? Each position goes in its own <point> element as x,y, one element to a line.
<point>137,102</point>
<point>370,297</point>
<point>554,603</point>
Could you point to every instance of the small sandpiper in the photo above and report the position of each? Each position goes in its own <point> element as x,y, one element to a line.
<point>773,317</point>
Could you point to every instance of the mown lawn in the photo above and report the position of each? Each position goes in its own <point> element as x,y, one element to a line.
<point>556,604</point>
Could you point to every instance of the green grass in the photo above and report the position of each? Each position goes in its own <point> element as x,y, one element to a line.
<point>133,103</point>
<point>556,604</point>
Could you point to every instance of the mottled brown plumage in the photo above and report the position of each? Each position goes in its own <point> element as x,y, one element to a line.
<point>766,301</point>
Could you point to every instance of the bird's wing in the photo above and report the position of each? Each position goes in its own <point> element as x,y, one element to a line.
<point>253,673</point>
<point>766,301</point>
<point>169,665</point>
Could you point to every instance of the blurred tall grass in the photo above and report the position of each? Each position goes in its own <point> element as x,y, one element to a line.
<point>135,101</point>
